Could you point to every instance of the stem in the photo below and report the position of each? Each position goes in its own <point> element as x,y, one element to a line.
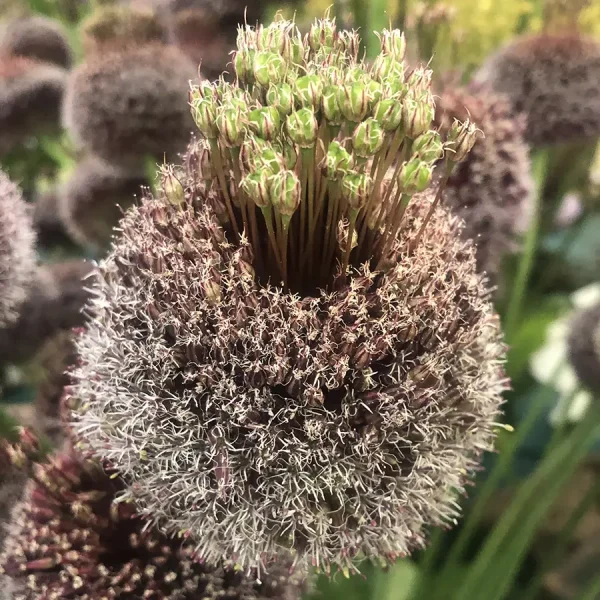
<point>267,212</point>
<point>353,215</point>
<point>215,154</point>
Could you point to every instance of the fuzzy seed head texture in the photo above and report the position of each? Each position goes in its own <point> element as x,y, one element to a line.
<point>553,80</point>
<point>38,38</point>
<point>584,347</point>
<point>93,200</point>
<point>30,98</point>
<point>286,370</point>
<point>492,189</point>
<point>127,105</point>
<point>68,539</point>
<point>17,251</point>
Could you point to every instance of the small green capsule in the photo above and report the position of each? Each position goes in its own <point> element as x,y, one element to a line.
<point>204,113</point>
<point>309,90</point>
<point>393,43</point>
<point>356,188</point>
<point>417,116</point>
<point>172,187</point>
<point>284,192</point>
<point>353,101</point>
<point>428,147</point>
<point>415,176</point>
<point>389,113</point>
<point>265,122</point>
<point>281,97</point>
<point>461,139</point>
<point>255,185</point>
<point>302,127</point>
<point>330,105</point>
<point>323,34</point>
<point>231,126</point>
<point>368,138</point>
<point>338,161</point>
<point>269,68</point>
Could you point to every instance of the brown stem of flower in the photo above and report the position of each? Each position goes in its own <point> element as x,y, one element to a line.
<point>215,155</point>
<point>353,215</point>
<point>267,212</point>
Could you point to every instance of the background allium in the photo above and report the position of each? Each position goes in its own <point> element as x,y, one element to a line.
<point>17,252</point>
<point>491,189</point>
<point>68,539</point>
<point>55,302</point>
<point>296,359</point>
<point>553,80</point>
<point>46,219</point>
<point>93,200</point>
<point>584,346</point>
<point>131,103</point>
<point>38,38</point>
<point>30,97</point>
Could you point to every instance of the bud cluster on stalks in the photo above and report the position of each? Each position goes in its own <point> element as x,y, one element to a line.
<point>38,38</point>
<point>129,104</point>
<point>268,328</point>
<point>67,538</point>
<point>31,93</point>
<point>492,188</point>
<point>17,251</point>
<point>553,80</point>
<point>584,347</point>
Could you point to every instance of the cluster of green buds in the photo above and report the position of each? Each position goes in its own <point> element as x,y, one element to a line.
<point>308,136</point>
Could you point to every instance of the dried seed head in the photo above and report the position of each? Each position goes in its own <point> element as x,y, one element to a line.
<point>130,104</point>
<point>93,199</point>
<point>553,80</point>
<point>17,252</point>
<point>30,98</point>
<point>584,347</point>
<point>38,38</point>
<point>492,188</point>
<point>69,538</point>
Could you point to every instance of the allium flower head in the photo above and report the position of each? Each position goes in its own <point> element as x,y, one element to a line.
<point>553,80</point>
<point>30,97</point>
<point>68,539</point>
<point>584,346</point>
<point>38,38</point>
<point>290,347</point>
<point>131,103</point>
<point>17,252</point>
<point>93,200</point>
<point>492,188</point>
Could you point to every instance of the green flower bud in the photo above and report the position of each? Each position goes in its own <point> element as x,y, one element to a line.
<point>337,161</point>
<point>293,50</point>
<point>415,176</point>
<point>243,64</point>
<point>367,138</point>
<point>309,90</point>
<point>270,161</point>
<point>323,34</point>
<point>269,67</point>
<point>172,187</point>
<point>461,139</point>
<point>204,113</point>
<point>302,127</point>
<point>284,192</point>
<point>393,43</point>
<point>251,149</point>
<point>330,105</point>
<point>353,100</point>
<point>203,91</point>
<point>389,113</point>
<point>417,116</point>
<point>281,97</point>
<point>290,155</point>
<point>265,122</point>
<point>272,37</point>
<point>256,187</point>
<point>395,86</point>
<point>349,43</point>
<point>231,126</point>
<point>386,66</point>
<point>356,189</point>
<point>420,81</point>
<point>428,147</point>
<point>375,92</point>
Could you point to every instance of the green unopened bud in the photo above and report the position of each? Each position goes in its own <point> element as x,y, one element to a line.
<point>270,161</point>
<point>389,113</point>
<point>281,97</point>
<point>256,187</point>
<point>231,126</point>
<point>290,155</point>
<point>356,189</point>
<point>284,191</point>
<point>330,105</point>
<point>204,113</point>
<point>309,90</point>
<point>172,187</point>
<point>349,43</point>
<point>393,43</point>
<point>203,91</point>
<point>428,147</point>
<point>269,68</point>
<point>415,176</point>
<point>461,139</point>
<point>386,66</point>
<point>293,50</point>
<point>272,37</point>
<point>265,122</point>
<point>417,116</point>
<point>323,34</point>
<point>375,92</point>
<point>367,138</point>
<point>302,127</point>
<point>202,159</point>
<point>353,101</point>
<point>420,80</point>
<point>338,161</point>
<point>243,64</point>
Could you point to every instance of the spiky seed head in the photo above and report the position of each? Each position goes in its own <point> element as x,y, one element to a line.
<point>17,252</point>
<point>38,38</point>
<point>68,538</point>
<point>492,188</point>
<point>553,80</point>
<point>55,302</point>
<point>584,346</point>
<point>113,26</point>
<point>129,104</point>
<point>30,98</point>
<point>293,358</point>
<point>94,198</point>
